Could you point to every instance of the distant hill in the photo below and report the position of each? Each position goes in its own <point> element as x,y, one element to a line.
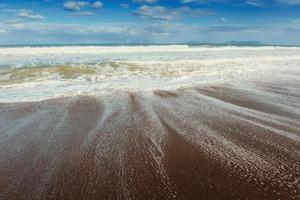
<point>251,43</point>
<point>234,43</point>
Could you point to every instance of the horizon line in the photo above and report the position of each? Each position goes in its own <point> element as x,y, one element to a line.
<point>234,43</point>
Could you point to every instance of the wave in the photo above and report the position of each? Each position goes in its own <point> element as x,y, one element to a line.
<point>36,73</point>
<point>33,56</point>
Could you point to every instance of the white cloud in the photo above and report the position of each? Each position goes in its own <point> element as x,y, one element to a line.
<point>162,13</point>
<point>78,5</point>
<point>11,21</point>
<point>75,5</point>
<point>145,1</point>
<point>26,14</point>
<point>97,5</point>
<point>185,10</point>
<point>155,12</point>
<point>157,32</point>
<point>15,26</point>
<point>9,10</point>
<point>72,33</point>
<point>2,31</point>
<point>255,3</point>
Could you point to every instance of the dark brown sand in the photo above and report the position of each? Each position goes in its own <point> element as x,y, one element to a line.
<point>213,142</point>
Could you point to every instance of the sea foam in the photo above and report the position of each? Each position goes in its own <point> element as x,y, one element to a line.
<point>35,73</point>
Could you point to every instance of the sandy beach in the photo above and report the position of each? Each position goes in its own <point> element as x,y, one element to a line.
<point>237,137</point>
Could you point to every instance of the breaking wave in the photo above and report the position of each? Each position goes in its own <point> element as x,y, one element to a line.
<point>49,72</point>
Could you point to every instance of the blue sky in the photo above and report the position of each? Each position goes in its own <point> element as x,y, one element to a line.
<point>149,21</point>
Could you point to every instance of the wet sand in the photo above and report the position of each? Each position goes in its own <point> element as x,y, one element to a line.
<point>205,142</point>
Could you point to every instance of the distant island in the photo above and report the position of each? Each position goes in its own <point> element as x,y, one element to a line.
<point>246,43</point>
<point>232,42</point>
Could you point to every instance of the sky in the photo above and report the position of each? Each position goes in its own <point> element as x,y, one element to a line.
<point>149,21</point>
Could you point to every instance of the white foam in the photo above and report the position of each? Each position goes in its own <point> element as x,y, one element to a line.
<point>134,68</point>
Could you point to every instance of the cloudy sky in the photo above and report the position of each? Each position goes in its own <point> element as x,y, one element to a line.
<point>149,21</point>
